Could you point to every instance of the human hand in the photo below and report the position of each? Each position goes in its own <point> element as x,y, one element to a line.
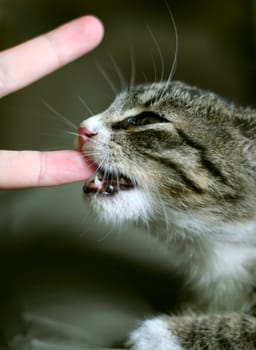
<point>20,66</point>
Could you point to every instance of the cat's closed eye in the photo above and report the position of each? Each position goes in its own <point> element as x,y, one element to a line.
<point>144,118</point>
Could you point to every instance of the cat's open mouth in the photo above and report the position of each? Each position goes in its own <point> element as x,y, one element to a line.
<point>108,183</point>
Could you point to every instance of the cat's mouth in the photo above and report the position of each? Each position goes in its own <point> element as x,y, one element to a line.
<point>107,183</point>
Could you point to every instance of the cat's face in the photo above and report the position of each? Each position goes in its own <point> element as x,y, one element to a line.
<point>165,150</point>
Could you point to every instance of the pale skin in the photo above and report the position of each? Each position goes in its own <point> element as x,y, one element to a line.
<point>41,56</point>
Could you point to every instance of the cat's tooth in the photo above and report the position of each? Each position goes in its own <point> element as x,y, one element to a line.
<point>97,181</point>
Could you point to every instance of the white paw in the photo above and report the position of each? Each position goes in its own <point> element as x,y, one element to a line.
<point>153,334</point>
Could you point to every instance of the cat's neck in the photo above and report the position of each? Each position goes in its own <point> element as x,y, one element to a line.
<point>202,227</point>
<point>217,260</point>
<point>220,273</point>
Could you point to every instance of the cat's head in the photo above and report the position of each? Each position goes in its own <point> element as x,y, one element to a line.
<point>169,150</point>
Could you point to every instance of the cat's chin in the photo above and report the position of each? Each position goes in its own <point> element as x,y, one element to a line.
<point>130,205</point>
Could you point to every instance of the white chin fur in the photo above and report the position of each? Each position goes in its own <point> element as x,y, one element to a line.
<point>131,205</point>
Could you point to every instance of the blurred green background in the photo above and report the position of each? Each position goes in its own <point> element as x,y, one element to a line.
<point>67,280</point>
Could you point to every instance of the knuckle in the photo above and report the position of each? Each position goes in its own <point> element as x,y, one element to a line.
<point>42,168</point>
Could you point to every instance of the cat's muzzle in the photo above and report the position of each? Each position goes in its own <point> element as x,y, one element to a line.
<point>107,183</point>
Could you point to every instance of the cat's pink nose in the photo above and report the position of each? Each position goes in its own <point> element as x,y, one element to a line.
<point>83,135</point>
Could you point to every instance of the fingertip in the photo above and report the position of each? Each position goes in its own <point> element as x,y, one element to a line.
<point>93,29</point>
<point>74,39</point>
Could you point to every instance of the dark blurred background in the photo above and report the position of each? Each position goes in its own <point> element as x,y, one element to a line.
<point>68,281</point>
<point>216,51</point>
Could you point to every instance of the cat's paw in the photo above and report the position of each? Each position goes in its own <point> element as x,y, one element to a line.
<point>153,334</point>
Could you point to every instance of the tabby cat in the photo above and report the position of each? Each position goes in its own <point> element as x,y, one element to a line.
<point>183,161</point>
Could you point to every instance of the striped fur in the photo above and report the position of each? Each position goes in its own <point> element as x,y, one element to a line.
<point>192,157</point>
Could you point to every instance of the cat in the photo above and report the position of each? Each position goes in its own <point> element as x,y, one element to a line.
<point>182,160</point>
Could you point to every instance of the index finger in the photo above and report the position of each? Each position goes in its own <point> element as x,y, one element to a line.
<point>27,62</point>
<point>21,169</point>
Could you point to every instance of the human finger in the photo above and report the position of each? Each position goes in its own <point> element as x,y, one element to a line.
<point>27,62</point>
<point>20,169</point>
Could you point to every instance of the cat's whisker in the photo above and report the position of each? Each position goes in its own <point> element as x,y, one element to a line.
<point>145,77</point>
<point>175,59</point>
<point>100,164</point>
<point>176,50</point>
<point>105,236</point>
<point>91,154</point>
<point>70,133</point>
<point>107,79</point>
<point>97,142</point>
<point>159,52</point>
<point>60,115</point>
<point>154,67</point>
<point>85,105</point>
<point>120,74</point>
<point>103,164</point>
<point>133,66</point>
<point>57,136</point>
<point>95,152</point>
